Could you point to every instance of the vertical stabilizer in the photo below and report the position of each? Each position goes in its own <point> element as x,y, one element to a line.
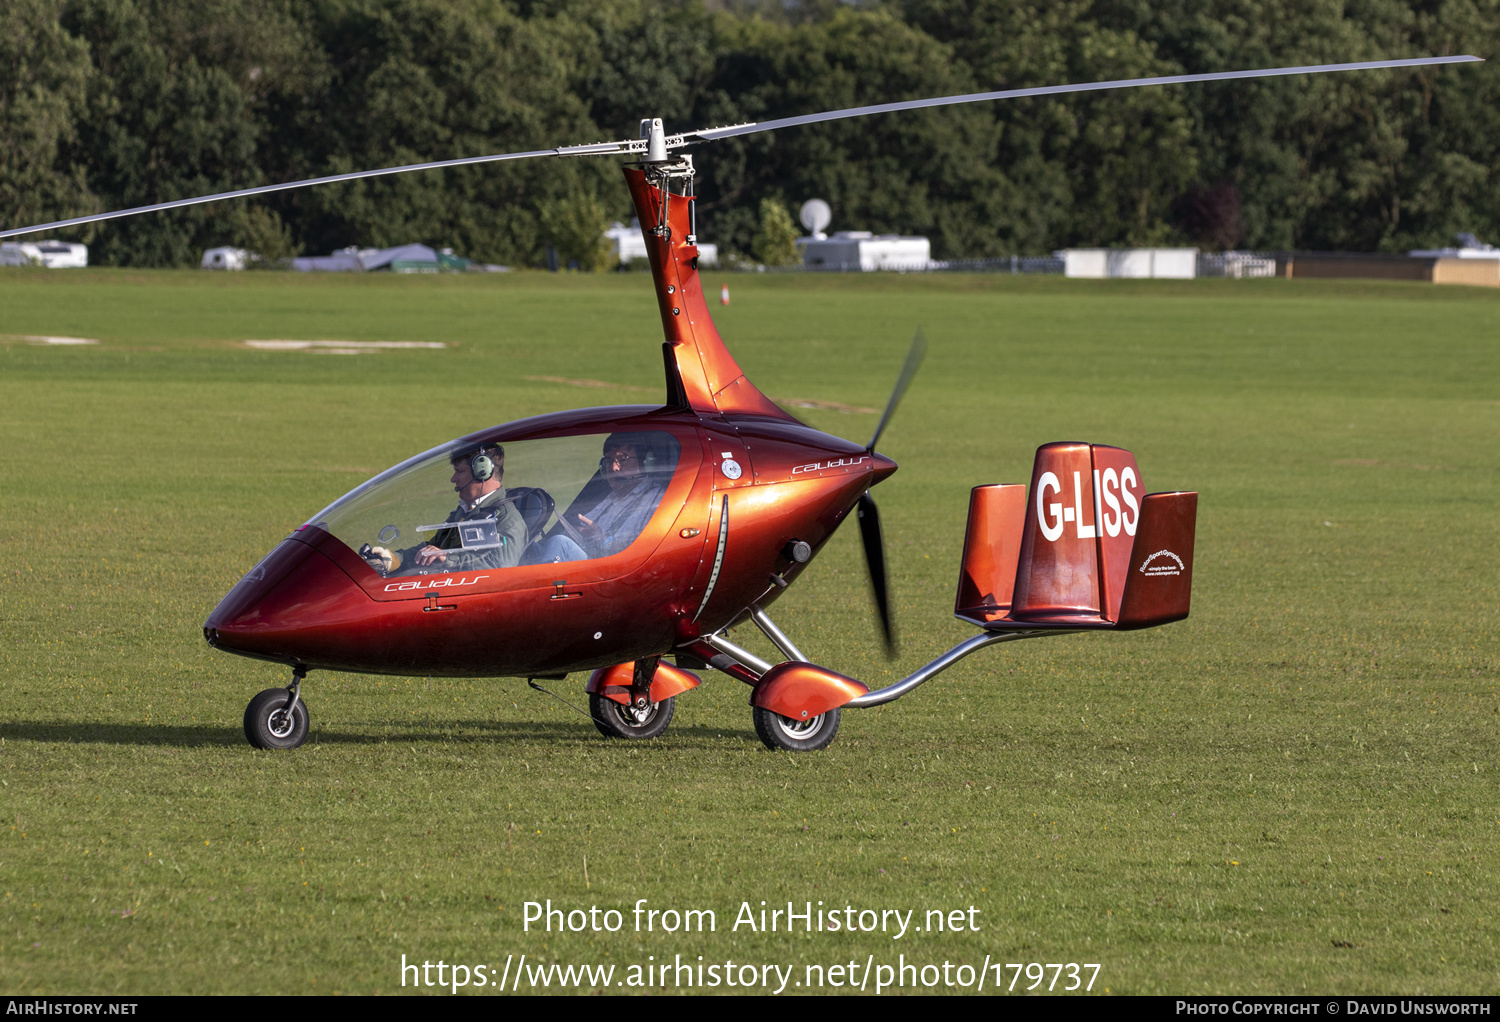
<point>708,378</point>
<point>1081,520</point>
<point>1058,574</point>
<point>1117,494</point>
<point>1160,582</point>
<point>992,548</point>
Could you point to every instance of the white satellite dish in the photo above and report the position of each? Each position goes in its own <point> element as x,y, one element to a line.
<point>815,216</point>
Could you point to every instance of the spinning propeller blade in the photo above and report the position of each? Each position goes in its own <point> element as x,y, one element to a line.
<point>639,147</point>
<point>914,356</point>
<point>874,542</point>
<point>869,515</point>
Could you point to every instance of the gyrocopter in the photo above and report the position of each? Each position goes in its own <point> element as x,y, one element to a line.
<point>625,541</point>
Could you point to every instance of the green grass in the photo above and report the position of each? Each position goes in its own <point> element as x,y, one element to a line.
<point>1293,791</point>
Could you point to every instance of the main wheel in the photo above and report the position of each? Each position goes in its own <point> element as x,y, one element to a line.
<point>780,732</point>
<point>267,724</point>
<point>616,720</point>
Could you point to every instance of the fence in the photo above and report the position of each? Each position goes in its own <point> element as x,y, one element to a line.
<point>1014,265</point>
<point>1237,265</point>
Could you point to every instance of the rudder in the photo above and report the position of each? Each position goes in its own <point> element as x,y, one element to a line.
<point>1159,586</point>
<point>992,548</point>
<point>1080,525</point>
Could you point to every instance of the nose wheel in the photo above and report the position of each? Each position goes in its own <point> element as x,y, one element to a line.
<point>277,718</point>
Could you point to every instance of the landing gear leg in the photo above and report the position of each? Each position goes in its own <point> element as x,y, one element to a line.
<point>277,718</point>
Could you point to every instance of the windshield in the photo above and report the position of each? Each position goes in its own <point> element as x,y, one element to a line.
<point>466,506</point>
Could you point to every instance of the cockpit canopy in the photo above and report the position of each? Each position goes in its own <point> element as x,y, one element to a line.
<point>549,499</point>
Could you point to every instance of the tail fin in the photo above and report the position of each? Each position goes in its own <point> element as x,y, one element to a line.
<point>1094,550</point>
<point>1075,548</point>
<point>992,547</point>
<point>1160,584</point>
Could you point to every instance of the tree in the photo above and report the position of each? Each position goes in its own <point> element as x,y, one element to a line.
<point>161,124</point>
<point>114,103</point>
<point>420,80</point>
<point>43,77</point>
<point>1364,161</point>
<point>575,226</point>
<point>1095,169</point>
<point>929,172</point>
<point>261,232</point>
<point>776,241</point>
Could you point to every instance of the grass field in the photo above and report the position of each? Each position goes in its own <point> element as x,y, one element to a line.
<point>1292,791</point>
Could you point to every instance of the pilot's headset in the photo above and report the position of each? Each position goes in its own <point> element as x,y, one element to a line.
<point>486,463</point>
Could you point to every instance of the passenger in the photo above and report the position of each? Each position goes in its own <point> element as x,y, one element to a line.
<point>613,522</point>
<point>497,538</point>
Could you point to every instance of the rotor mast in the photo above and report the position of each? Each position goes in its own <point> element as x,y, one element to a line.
<point>701,373</point>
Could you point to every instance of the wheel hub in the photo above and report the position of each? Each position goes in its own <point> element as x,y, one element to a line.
<point>800,729</point>
<point>281,723</point>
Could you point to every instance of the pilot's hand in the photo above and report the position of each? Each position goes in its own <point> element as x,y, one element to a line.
<point>588,530</point>
<point>383,559</point>
<point>430,554</point>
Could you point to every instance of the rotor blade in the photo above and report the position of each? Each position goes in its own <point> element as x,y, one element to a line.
<point>874,543</point>
<point>709,134</point>
<point>264,189</point>
<point>630,147</point>
<point>914,356</point>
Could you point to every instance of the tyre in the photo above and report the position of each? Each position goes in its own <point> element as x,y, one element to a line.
<point>779,732</point>
<point>267,725</point>
<point>615,720</point>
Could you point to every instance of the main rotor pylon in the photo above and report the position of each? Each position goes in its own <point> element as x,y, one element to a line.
<point>701,373</point>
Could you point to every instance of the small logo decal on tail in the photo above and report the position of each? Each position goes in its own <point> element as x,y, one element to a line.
<point>1157,564</point>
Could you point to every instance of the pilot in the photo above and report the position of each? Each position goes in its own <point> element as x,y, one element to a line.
<point>498,534</point>
<point>635,488</point>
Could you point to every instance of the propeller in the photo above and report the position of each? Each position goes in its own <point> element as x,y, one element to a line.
<point>869,534</point>
<point>914,356</point>
<point>654,144</point>
<point>869,514</point>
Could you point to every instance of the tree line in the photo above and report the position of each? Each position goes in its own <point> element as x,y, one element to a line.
<point>113,103</point>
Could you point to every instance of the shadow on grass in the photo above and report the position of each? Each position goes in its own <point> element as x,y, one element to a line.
<point>197,736</point>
